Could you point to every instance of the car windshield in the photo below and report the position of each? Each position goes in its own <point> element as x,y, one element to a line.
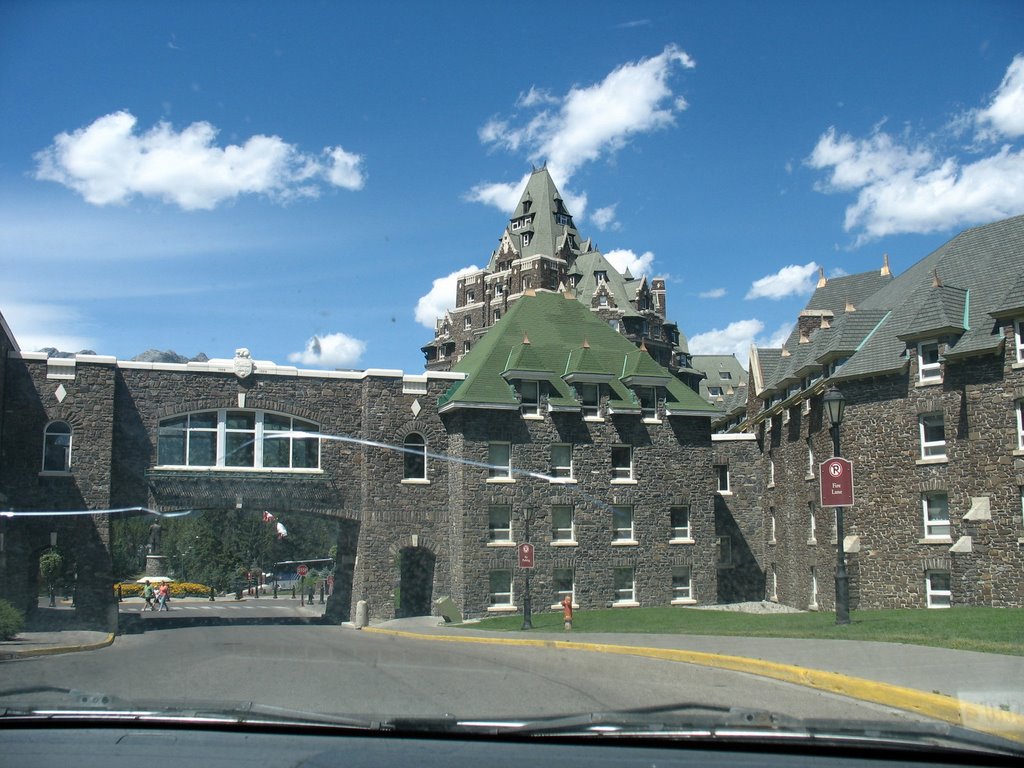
<point>591,369</point>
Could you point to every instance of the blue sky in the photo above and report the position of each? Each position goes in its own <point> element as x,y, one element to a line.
<point>207,176</point>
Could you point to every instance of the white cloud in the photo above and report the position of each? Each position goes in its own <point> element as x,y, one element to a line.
<point>714,293</point>
<point>335,350</point>
<point>500,195</point>
<point>1005,113</point>
<point>109,162</point>
<point>788,281</point>
<point>36,326</point>
<point>440,298</point>
<point>906,188</point>
<point>604,218</point>
<point>624,259</point>
<point>589,121</point>
<point>736,339</point>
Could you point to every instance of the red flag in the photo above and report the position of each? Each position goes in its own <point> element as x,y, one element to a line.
<point>268,518</point>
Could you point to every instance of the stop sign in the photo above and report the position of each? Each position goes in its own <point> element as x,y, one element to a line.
<point>302,570</point>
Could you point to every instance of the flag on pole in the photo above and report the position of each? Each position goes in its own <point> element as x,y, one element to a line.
<point>268,518</point>
<point>281,531</point>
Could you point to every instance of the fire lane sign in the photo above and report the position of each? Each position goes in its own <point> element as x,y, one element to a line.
<point>836,483</point>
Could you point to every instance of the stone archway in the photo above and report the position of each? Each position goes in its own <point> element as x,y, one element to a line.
<point>415,582</point>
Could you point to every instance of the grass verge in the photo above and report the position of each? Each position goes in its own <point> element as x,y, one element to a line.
<point>989,630</point>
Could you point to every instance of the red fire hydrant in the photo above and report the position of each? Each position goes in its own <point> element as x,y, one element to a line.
<point>567,612</point>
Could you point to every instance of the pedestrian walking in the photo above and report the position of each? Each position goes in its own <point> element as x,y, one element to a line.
<point>147,595</point>
<point>163,596</point>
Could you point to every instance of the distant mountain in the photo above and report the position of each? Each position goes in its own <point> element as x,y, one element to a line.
<point>168,356</point>
<point>149,356</point>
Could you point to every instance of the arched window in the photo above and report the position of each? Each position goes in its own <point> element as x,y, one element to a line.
<point>57,447</point>
<point>415,457</point>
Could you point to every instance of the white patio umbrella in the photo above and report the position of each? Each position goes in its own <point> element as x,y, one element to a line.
<point>153,579</point>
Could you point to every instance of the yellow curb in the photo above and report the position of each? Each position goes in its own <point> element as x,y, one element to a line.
<point>54,650</point>
<point>945,708</point>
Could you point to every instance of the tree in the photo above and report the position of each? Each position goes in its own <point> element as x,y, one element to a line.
<point>50,566</point>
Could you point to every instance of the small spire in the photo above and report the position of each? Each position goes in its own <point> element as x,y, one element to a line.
<point>850,307</point>
<point>586,344</point>
<point>936,280</point>
<point>643,345</point>
<point>785,352</point>
<point>529,292</point>
<point>885,266</point>
<point>821,277</point>
<point>526,339</point>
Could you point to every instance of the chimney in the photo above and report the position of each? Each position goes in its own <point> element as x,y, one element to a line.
<point>822,282</point>
<point>884,272</point>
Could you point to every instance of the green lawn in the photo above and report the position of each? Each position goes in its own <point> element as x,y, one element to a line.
<point>992,630</point>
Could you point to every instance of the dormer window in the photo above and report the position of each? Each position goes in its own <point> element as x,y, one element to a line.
<point>601,276</point>
<point>929,369</point>
<point>590,398</point>
<point>648,397</point>
<point>562,220</point>
<point>529,394</point>
<point>526,238</point>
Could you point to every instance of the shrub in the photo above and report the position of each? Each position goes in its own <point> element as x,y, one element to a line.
<point>11,621</point>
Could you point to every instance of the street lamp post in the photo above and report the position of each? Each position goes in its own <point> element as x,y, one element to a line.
<point>527,612</point>
<point>834,404</point>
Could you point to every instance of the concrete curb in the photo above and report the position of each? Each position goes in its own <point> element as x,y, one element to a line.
<point>56,649</point>
<point>936,706</point>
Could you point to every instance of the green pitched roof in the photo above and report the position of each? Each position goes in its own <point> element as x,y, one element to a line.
<point>550,222</point>
<point>564,338</point>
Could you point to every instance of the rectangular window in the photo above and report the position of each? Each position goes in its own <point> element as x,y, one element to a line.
<point>622,462</point>
<point>938,589</point>
<point>590,398</point>
<point>499,523</point>
<point>563,581</point>
<point>771,523</point>
<point>1020,425</point>
<point>814,589</point>
<point>470,295</point>
<point>682,583</point>
<point>722,476</point>
<point>497,315</point>
<point>724,551</point>
<point>724,375</point>
<point>680,521</point>
<point>622,523</point>
<point>1018,332</point>
<point>467,322</point>
<point>812,536</point>
<point>499,460</point>
<point>625,585</point>
<point>936,515</point>
<point>562,525</point>
<point>933,436</point>
<point>810,458</point>
<point>239,439</point>
<point>500,588</point>
<point>928,365</point>
<point>771,472</point>
<point>529,393</point>
<point>715,391</point>
<point>648,397</point>
<point>466,346</point>
<point>561,460</point>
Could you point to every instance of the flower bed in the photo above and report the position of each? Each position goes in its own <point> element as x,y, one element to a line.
<point>178,589</point>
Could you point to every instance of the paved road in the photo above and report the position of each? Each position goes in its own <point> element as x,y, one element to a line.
<point>328,668</point>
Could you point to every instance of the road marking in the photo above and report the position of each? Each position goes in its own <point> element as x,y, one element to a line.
<point>936,706</point>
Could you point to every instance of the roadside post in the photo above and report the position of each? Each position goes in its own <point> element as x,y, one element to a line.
<point>836,483</point>
<point>301,570</point>
<point>526,554</point>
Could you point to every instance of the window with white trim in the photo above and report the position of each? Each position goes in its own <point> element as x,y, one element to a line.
<point>561,460</point>
<point>415,457</point>
<point>724,551</point>
<point>466,346</point>
<point>529,394</point>
<point>590,398</point>
<point>467,322</point>
<point>238,439</point>
<point>679,518</point>
<point>1018,333</point>
<point>682,583</point>
<point>814,589</point>
<point>564,583</point>
<point>1020,425</point>
<point>771,471</point>
<point>563,526</point>
<point>622,523</point>
<point>648,397</point>
<point>500,588</point>
<point>929,369</point>
<point>935,509</point>
<point>715,391</point>
<point>622,462</point>
<point>810,458</point>
<point>938,589</point>
<point>812,536</point>
<point>499,523</point>
<point>624,580</point>
<point>57,447</point>
<point>722,477</point>
<point>933,435</point>
<point>771,524</point>
<point>499,460</point>
<point>470,295</point>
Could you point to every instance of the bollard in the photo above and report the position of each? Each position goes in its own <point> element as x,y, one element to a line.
<point>361,614</point>
<point>275,590</point>
<point>293,591</point>
<point>321,594</point>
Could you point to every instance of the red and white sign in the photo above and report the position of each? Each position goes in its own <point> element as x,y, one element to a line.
<point>836,483</point>
<point>302,570</point>
<point>526,555</point>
